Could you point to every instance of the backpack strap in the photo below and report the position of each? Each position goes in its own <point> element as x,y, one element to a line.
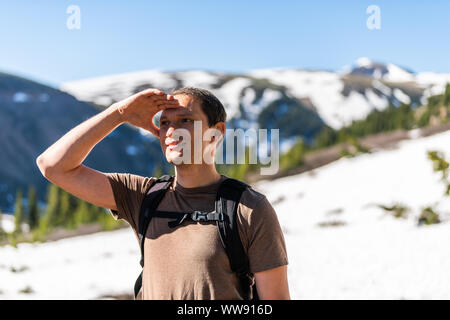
<point>151,201</point>
<point>227,200</point>
<point>179,217</point>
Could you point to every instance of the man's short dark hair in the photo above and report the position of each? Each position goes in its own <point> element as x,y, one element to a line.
<point>211,106</point>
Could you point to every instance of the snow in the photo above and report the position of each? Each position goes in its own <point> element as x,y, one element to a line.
<point>397,74</point>
<point>363,62</point>
<point>85,267</point>
<point>103,100</point>
<point>401,96</point>
<point>270,96</point>
<point>229,94</point>
<point>394,73</point>
<point>253,107</point>
<point>415,133</point>
<point>383,88</point>
<point>117,87</point>
<point>434,83</point>
<point>7,222</point>
<point>197,78</point>
<point>372,255</point>
<point>248,97</point>
<point>324,89</point>
<point>354,107</point>
<point>378,102</point>
<point>103,90</point>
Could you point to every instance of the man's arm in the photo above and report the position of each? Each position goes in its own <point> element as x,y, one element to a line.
<point>272,284</point>
<point>61,163</point>
<point>266,248</point>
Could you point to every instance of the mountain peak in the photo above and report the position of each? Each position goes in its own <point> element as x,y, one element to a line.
<point>363,62</point>
<point>381,71</point>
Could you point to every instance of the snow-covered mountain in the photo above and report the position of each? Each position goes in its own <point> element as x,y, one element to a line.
<point>387,72</point>
<point>306,96</point>
<point>340,244</point>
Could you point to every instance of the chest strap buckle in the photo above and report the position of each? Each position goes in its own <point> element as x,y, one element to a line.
<point>206,216</point>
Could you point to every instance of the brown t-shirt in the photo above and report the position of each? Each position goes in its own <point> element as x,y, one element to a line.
<point>189,261</point>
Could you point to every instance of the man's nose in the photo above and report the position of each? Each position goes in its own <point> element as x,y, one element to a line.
<point>170,131</point>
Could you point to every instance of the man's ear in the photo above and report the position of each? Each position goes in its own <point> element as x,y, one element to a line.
<point>220,126</point>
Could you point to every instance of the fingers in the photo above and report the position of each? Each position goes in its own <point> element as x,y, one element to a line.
<point>161,98</point>
<point>156,94</point>
<point>152,92</point>
<point>161,103</point>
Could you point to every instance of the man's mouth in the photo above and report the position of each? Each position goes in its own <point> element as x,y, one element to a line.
<point>172,144</point>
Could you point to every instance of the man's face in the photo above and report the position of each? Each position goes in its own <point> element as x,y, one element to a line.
<point>173,145</point>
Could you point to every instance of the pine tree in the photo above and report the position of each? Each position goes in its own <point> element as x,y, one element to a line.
<point>446,96</point>
<point>82,213</point>
<point>2,232</point>
<point>441,165</point>
<point>294,157</point>
<point>326,137</point>
<point>74,201</point>
<point>18,212</point>
<point>64,209</point>
<point>33,212</point>
<point>94,213</point>
<point>157,170</point>
<point>51,212</point>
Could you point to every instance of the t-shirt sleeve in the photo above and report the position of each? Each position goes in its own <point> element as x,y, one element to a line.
<point>129,192</point>
<point>266,244</point>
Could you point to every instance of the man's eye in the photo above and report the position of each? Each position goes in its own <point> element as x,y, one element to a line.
<point>163,123</point>
<point>186,120</point>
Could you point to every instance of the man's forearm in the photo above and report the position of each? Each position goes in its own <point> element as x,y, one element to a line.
<point>70,150</point>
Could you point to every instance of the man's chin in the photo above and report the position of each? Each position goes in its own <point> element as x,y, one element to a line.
<point>175,157</point>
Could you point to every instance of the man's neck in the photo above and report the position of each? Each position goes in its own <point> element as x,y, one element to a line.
<point>193,176</point>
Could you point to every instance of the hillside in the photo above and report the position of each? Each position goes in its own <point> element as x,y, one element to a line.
<point>341,245</point>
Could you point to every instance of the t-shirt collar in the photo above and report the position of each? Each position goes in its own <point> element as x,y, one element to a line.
<point>211,188</point>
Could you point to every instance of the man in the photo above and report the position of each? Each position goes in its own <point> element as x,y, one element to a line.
<point>189,261</point>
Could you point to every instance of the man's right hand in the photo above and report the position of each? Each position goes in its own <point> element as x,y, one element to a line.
<point>140,108</point>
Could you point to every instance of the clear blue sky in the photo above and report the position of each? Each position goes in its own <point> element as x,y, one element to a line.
<point>233,36</point>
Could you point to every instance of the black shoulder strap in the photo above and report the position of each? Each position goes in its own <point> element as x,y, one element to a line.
<point>227,200</point>
<point>149,205</point>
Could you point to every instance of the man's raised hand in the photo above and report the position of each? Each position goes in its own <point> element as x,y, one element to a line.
<point>140,108</point>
